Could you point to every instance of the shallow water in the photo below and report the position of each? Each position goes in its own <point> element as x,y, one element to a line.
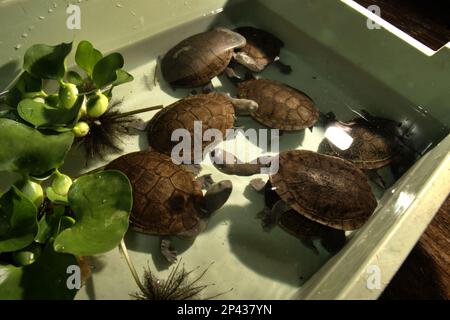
<point>254,263</point>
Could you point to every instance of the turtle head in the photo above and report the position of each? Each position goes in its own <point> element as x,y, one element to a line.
<point>216,196</point>
<point>232,39</point>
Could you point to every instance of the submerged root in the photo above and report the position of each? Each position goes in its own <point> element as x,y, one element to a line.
<point>178,286</point>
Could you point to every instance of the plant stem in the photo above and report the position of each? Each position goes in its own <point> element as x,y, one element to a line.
<point>134,112</point>
<point>95,90</point>
<point>130,264</point>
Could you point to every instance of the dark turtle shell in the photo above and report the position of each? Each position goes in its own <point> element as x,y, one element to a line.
<point>214,111</point>
<point>325,189</point>
<point>280,106</point>
<point>165,196</point>
<point>261,45</point>
<point>373,146</point>
<point>293,222</point>
<point>196,60</point>
<point>303,228</point>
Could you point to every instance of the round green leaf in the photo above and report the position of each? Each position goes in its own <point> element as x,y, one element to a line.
<point>28,83</point>
<point>26,150</point>
<point>105,71</point>
<point>122,77</point>
<point>41,115</point>
<point>44,279</point>
<point>18,224</point>
<point>87,56</point>
<point>75,78</point>
<point>47,62</point>
<point>101,203</point>
<point>25,83</point>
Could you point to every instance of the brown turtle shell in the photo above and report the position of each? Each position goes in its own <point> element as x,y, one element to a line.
<point>214,110</point>
<point>165,196</point>
<point>371,147</point>
<point>196,60</point>
<point>280,106</point>
<point>261,45</point>
<point>325,189</point>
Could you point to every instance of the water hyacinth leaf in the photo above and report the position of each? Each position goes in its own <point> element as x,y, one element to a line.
<point>28,83</point>
<point>47,62</point>
<point>18,224</point>
<point>87,56</point>
<point>25,83</point>
<point>28,151</point>
<point>105,71</point>
<point>101,216</point>
<point>122,77</point>
<point>47,278</point>
<point>41,115</point>
<point>75,78</point>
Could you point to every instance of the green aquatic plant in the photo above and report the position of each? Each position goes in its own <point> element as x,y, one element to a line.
<point>179,285</point>
<point>176,287</point>
<point>44,233</point>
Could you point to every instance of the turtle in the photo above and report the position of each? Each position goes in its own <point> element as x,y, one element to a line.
<point>167,199</point>
<point>375,142</point>
<point>214,111</point>
<point>299,226</point>
<point>262,49</point>
<point>195,61</point>
<point>280,106</point>
<point>325,189</point>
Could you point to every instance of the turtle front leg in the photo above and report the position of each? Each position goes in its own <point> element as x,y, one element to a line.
<point>248,62</point>
<point>270,217</point>
<point>208,88</point>
<point>167,250</point>
<point>284,68</point>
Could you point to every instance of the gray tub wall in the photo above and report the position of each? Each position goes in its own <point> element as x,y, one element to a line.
<point>423,80</point>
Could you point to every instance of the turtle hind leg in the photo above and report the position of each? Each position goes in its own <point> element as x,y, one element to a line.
<point>258,185</point>
<point>284,68</point>
<point>334,240</point>
<point>376,178</point>
<point>268,220</point>
<point>167,250</point>
<point>308,242</point>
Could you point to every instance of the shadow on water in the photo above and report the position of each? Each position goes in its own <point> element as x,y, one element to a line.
<point>96,265</point>
<point>150,245</point>
<point>7,73</point>
<point>274,254</point>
